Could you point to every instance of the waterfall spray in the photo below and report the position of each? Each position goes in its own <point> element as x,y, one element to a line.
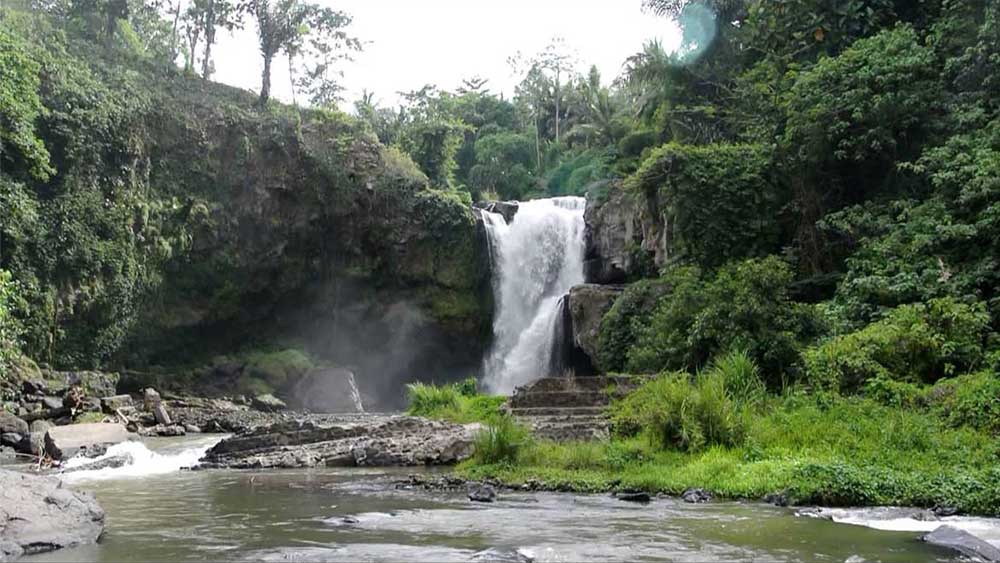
<point>536,260</point>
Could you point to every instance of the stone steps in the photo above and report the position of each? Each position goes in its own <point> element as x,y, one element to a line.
<point>569,408</point>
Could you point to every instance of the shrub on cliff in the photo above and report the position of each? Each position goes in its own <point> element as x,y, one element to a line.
<point>719,201</point>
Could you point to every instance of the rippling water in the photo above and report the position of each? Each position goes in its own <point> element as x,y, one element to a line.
<point>358,515</point>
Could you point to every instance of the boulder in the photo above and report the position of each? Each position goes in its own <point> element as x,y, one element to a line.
<point>696,496</point>
<point>38,514</point>
<point>112,404</point>
<point>7,453</point>
<point>501,556</point>
<point>268,403</point>
<point>11,423</point>
<point>640,497</point>
<point>152,402</point>
<point>52,403</point>
<point>963,542</point>
<point>63,442</point>
<point>326,390</point>
<point>112,462</point>
<point>10,439</point>
<point>41,426</point>
<point>33,444</point>
<point>587,306</point>
<point>192,429</point>
<point>480,492</point>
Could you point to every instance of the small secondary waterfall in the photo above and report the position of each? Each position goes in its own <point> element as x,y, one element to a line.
<point>536,260</point>
<point>355,394</point>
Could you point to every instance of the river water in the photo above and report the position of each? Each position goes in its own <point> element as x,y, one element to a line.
<point>156,512</point>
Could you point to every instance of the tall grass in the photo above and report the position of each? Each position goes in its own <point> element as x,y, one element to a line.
<point>501,441</point>
<point>677,412</point>
<point>457,402</point>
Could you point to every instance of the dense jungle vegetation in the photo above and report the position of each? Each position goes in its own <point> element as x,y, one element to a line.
<point>824,176</point>
<point>823,323</point>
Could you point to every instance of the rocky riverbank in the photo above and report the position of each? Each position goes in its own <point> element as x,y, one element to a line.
<point>38,514</point>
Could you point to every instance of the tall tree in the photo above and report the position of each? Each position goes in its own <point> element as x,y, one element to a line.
<point>216,14</point>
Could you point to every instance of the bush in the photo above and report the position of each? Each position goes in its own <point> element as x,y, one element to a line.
<point>630,312</point>
<point>430,400</point>
<point>745,306</point>
<point>970,400</point>
<point>915,343</point>
<point>501,441</point>
<point>678,414</point>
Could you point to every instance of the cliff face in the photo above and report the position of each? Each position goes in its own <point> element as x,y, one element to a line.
<point>181,223</point>
<point>312,233</point>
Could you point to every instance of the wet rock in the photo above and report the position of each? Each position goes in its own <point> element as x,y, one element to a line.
<point>855,559</point>
<point>482,493</point>
<point>962,542</point>
<point>639,497</point>
<point>192,429</point>
<point>169,431</point>
<point>74,399</point>
<point>493,555</point>
<point>112,462</point>
<point>12,424</point>
<point>587,306</point>
<point>369,441</point>
<point>696,496</point>
<point>615,239</point>
<point>7,453</point>
<point>944,511</point>
<point>63,442</point>
<point>116,402</point>
<point>10,439</point>
<point>268,403</point>
<point>507,209</point>
<point>777,499</point>
<point>37,514</point>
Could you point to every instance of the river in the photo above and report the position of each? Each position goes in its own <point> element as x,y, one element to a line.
<point>157,512</point>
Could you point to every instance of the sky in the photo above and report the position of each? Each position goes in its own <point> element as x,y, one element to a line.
<point>411,43</point>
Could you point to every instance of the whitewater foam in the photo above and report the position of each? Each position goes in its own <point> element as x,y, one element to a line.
<point>143,461</point>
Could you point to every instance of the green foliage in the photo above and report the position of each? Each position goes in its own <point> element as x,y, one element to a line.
<point>501,441</point>
<point>503,166</point>
<point>10,327</point>
<point>573,176</point>
<point>433,145</point>
<point>918,343</point>
<point>718,201</point>
<point>868,104</point>
<point>969,400</point>
<point>458,402</point>
<point>20,106</point>
<point>744,306</point>
<point>626,319</point>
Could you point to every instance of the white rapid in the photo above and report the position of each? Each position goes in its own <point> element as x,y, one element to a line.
<point>141,461</point>
<point>536,260</point>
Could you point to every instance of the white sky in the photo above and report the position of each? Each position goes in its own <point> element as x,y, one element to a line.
<point>441,42</point>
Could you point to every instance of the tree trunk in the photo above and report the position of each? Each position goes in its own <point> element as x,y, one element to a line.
<point>265,82</point>
<point>538,147</point>
<point>291,79</point>
<point>206,63</point>
<point>174,31</point>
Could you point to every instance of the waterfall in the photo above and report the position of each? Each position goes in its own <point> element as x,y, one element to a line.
<point>355,394</point>
<point>536,260</point>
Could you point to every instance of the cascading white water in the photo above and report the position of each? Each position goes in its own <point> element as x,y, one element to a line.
<point>536,260</point>
<point>355,394</point>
